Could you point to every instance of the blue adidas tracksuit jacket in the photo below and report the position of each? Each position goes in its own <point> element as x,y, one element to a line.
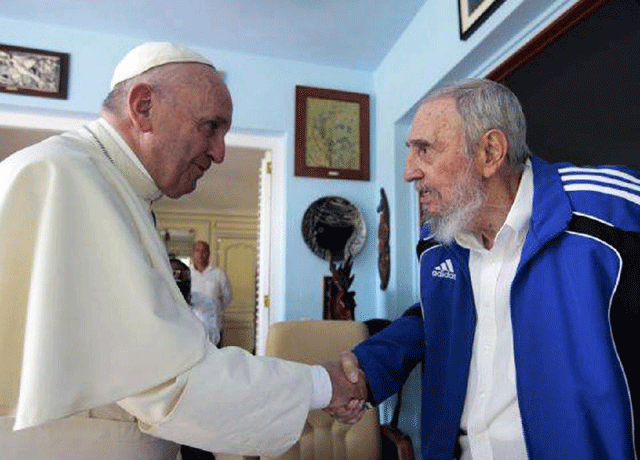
<point>575,303</point>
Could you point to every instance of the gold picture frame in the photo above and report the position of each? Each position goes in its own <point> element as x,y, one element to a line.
<point>33,72</point>
<point>331,134</point>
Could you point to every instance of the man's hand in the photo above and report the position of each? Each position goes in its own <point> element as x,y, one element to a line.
<point>349,389</point>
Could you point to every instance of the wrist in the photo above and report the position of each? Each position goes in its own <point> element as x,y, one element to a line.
<point>321,387</point>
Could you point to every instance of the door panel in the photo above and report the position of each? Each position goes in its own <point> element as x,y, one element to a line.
<point>237,256</point>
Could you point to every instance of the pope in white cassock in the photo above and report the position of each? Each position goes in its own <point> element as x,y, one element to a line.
<point>102,358</point>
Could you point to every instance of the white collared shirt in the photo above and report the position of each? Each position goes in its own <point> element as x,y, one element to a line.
<point>491,415</point>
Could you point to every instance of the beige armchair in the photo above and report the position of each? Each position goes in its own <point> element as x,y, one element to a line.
<point>323,438</point>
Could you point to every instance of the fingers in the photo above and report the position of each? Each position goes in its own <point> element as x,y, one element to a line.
<point>348,414</point>
<point>343,390</point>
<point>349,389</point>
<point>349,363</point>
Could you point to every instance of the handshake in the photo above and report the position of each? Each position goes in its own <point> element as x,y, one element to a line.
<point>349,389</point>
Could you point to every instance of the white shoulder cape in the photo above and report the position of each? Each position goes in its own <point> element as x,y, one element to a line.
<point>89,311</point>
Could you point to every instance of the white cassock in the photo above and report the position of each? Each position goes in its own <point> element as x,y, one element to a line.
<point>92,322</point>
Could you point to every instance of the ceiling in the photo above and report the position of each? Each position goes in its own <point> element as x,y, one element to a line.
<point>230,187</point>
<point>354,34</point>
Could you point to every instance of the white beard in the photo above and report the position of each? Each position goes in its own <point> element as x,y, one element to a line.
<point>468,196</point>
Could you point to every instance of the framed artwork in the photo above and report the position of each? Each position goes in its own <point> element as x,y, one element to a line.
<point>332,134</point>
<point>473,13</point>
<point>33,72</point>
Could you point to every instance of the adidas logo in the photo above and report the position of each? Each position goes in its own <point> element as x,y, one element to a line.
<point>444,270</point>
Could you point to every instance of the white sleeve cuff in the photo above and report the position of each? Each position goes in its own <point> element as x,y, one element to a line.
<point>322,388</point>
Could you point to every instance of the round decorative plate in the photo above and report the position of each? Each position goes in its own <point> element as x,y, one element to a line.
<point>333,225</point>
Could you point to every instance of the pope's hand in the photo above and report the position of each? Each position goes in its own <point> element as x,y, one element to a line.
<point>349,389</point>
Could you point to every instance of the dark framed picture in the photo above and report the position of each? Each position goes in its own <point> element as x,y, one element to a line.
<point>33,72</point>
<point>332,134</point>
<point>473,13</point>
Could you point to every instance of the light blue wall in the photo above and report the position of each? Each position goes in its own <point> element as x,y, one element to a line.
<point>429,51</point>
<point>263,91</point>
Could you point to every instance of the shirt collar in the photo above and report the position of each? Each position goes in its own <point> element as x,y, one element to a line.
<point>520,212</point>
<point>518,217</point>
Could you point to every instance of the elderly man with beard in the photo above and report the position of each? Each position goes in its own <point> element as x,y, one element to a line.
<point>528,292</point>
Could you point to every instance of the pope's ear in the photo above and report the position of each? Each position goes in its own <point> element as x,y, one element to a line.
<point>139,104</point>
<point>493,151</point>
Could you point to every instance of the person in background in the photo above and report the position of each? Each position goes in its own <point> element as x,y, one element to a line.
<point>529,293</point>
<point>101,355</point>
<point>209,281</point>
<point>202,307</point>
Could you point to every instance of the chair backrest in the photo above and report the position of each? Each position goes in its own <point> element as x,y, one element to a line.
<point>323,438</point>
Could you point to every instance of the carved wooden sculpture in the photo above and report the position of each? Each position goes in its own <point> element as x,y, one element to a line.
<point>384,260</point>
<point>341,302</point>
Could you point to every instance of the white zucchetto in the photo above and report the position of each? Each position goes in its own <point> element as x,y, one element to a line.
<point>153,54</point>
